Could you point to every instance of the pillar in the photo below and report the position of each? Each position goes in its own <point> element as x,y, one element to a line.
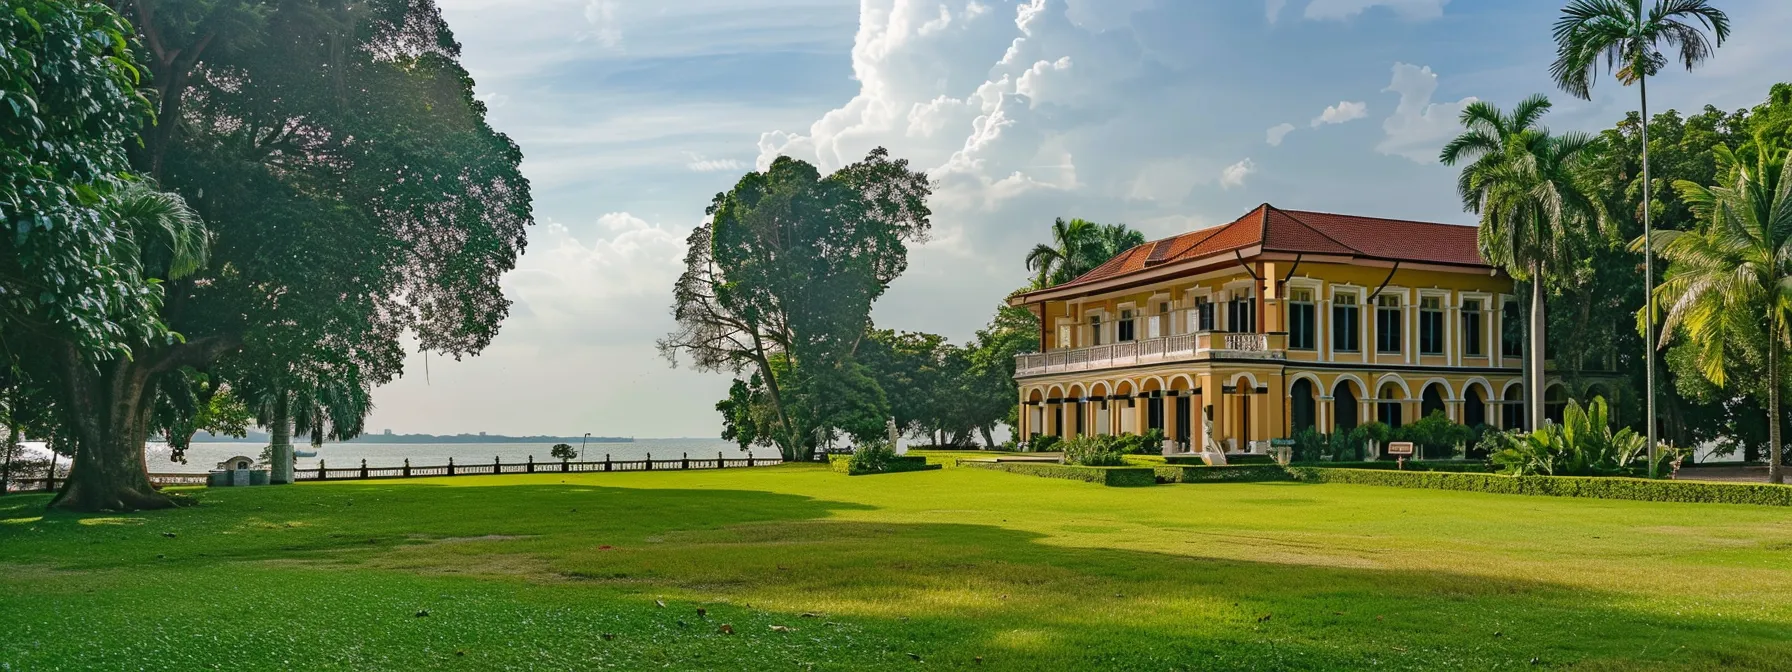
<point>1171,397</point>
<point>1323,410</point>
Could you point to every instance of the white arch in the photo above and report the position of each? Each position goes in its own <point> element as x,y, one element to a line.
<point>1105,388</point>
<point>1246,375</point>
<point>1076,391</point>
<point>1360,385</point>
<point>1318,385</point>
<point>1146,379</point>
<point>1035,391</point>
<point>1188,382</point>
<point>1486,388</point>
<point>1515,382</point>
<point>1449,393</point>
<point>1058,389</point>
<point>1375,392</point>
<point>1131,387</point>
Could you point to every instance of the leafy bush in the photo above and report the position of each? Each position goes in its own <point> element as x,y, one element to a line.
<point>871,458</point>
<point>1044,443</point>
<point>1309,445</point>
<point>1234,473</point>
<point>1583,445</point>
<point>1149,443</point>
<point>1094,451</point>
<point>1345,446</point>
<point>1373,431</point>
<point>1559,486</point>
<point>1434,436</point>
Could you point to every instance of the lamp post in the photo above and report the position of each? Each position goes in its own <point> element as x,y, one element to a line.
<point>582,446</point>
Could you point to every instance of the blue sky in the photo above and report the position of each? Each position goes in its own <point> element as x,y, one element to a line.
<point>1167,115</point>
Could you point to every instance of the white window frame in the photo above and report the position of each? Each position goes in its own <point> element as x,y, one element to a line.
<point>1444,306</point>
<point>1357,292</point>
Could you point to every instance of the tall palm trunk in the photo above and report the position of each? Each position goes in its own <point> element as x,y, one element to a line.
<point>1648,282</point>
<point>1534,386</point>
<point>1775,473</point>
<point>280,440</point>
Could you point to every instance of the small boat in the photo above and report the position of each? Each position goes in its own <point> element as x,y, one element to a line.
<point>303,453</point>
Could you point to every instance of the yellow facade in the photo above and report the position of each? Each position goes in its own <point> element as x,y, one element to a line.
<point>1252,349</point>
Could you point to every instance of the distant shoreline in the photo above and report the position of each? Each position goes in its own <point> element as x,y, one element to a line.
<point>262,438</point>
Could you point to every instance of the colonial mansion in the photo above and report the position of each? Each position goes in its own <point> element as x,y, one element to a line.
<point>1276,322</point>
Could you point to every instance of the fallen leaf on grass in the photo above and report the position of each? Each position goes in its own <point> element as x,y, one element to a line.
<point>783,628</point>
<point>662,603</point>
<point>726,629</point>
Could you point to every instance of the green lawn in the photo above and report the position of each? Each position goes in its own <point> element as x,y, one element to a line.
<point>955,568</point>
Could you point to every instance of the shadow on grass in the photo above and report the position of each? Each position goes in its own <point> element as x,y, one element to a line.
<point>949,593</point>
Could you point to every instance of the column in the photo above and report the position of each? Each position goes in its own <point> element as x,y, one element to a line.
<point>1454,408</point>
<point>1276,408</point>
<point>1171,397</point>
<point>1323,413</point>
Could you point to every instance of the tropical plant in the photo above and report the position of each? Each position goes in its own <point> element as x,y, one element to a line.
<point>1728,286</point>
<point>563,451</point>
<point>1583,445</point>
<point>1435,435</point>
<point>1310,445</point>
<point>1625,38</point>
<point>1077,247</point>
<point>1094,451</point>
<point>1534,212</point>
<point>1374,433</point>
<point>1044,443</point>
<point>871,457</point>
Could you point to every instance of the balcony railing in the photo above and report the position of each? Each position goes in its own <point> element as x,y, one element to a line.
<point>1180,347</point>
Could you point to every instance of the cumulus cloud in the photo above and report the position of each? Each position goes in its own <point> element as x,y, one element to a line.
<point>601,14</point>
<point>1418,128</point>
<point>701,164</point>
<point>1233,175</point>
<point>1277,132</point>
<point>1412,10</point>
<point>1273,8</point>
<point>608,288</point>
<point>1342,112</point>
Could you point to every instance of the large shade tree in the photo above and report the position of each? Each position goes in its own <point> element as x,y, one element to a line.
<point>781,281</point>
<point>354,194</point>
<point>1728,286</point>
<point>1534,213</point>
<point>1624,37</point>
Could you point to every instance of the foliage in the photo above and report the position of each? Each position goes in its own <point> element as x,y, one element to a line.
<point>991,394</point>
<point>788,267</point>
<point>1345,446</point>
<point>1228,473</point>
<point>1583,445</point>
<point>1044,443</point>
<point>563,451</point>
<point>1623,36</point>
<point>1374,430</point>
<point>1077,247</point>
<point>1728,286</point>
<point>1559,486</point>
<point>1435,436</point>
<point>1094,451</point>
<point>1149,443</point>
<point>1116,476</point>
<point>1309,445</point>
<point>872,457</point>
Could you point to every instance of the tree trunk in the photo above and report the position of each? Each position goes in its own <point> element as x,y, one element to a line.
<point>989,440</point>
<point>1775,472</point>
<point>1535,384</point>
<point>280,440</point>
<point>106,411</point>
<point>12,446</point>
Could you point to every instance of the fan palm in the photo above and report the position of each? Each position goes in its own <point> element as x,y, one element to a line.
<point>1620,34</point>
<point>1730,281</point>
<point>1077,247</point>
<point>1534,214</point>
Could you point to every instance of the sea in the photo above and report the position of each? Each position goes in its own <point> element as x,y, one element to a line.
<point>203,457</point>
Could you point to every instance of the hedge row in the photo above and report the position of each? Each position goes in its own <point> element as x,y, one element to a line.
<point>1232,459</point>
<point>1604,487</point>
<point>1234,473</point>
<point>1120,477</point>
<point>843,464</point>
<point>1461,466</point>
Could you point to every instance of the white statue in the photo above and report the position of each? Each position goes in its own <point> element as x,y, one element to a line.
<point>895,443</point>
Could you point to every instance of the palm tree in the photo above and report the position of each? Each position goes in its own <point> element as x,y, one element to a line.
<point>1077,247</point>
<point>1534,214</point>
<point>1622,36</point>
<point>1732,278</point>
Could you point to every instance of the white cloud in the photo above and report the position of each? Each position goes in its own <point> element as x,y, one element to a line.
<point>1418,128</point>
<point>701,164</point>
<point>1412,10</point>
<point>601,14</point>
<point>1273,8</point>
<point>1342,112</point>
<point>493,100</point>
<point>1277,132</point>
<point>1233,175</point>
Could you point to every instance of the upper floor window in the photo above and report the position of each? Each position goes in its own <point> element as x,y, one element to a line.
<point>1387,324</point>
<point>1303,324</point>
<point>1125,326</point>
<point>1202,317</point>
<point>1063,336</point>
<point>1095,329</point>
<point>1431,325</point>
<point>1160,322</point>
<point>1347,331</point>
<point>1241,314</point>
<point>1471,328</point>
<point>1511,330</point>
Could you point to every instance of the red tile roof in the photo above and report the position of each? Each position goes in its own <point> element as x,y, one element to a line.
<point>1299,231</point>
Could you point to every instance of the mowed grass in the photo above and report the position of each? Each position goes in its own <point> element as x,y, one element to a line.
<point>959,568</point>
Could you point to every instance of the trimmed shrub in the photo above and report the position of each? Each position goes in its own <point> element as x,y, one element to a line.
<point>877,458</point>
<point>1232,459</point>
<point>1094,451</point>
<point>1236,473</point>
<point>1111,476</point>
<point>1435,436</point>
<point>1457,466</point>
<point>1559,486</point>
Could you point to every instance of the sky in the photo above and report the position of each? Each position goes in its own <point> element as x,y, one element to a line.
<point>1166,115</point>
